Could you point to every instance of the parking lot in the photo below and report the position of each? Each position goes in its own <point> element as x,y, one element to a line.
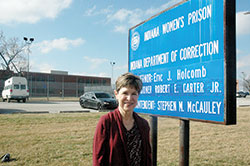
<point>41,107</point>
<point>65,107</point>
<point>243,102</point>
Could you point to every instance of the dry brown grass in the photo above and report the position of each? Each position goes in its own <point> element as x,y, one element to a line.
<point>49,139</point>
<point>210,144</point>
<point>66,139</point>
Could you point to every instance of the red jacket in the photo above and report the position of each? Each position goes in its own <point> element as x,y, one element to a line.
<point>109,146</point>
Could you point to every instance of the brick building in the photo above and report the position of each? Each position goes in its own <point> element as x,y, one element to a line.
<point>59,83</point>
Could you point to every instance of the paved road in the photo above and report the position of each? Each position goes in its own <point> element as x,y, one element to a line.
<point>243,102</point>
<point>41,107</point>
<point>65,107</point>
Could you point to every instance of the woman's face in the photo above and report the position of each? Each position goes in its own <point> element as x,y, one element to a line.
<point>127,98</point>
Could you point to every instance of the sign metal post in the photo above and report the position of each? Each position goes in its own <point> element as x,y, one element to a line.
<point>153,126</point>
<point>184,143</point>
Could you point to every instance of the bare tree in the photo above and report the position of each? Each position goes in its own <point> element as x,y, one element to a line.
<point>245,81</point>
<point>12,54</point>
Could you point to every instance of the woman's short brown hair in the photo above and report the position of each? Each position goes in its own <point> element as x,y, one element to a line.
<point>129,80</point>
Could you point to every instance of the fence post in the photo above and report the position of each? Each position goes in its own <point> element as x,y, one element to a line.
<point>63,87</point>
<point>48,88</point>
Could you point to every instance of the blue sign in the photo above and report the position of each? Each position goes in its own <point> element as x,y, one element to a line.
<point>179,55</point>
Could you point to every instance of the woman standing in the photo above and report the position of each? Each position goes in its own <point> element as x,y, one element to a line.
<point>122,136</point>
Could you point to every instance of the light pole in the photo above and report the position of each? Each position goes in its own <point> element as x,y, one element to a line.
<point>112,65</point>
<point>28,42</point>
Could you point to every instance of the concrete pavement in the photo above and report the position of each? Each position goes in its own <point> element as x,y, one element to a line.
<point>41,107</point>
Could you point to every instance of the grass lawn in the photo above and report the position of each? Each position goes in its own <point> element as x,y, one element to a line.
<point>66,139</point>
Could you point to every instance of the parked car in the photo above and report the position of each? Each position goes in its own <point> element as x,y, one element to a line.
<point>97,100</point>
<point>15,88</point>
<point>241,94</point>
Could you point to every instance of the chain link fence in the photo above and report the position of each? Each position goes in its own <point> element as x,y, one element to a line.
<point>62,89</point>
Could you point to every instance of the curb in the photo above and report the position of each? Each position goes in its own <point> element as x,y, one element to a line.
<point>84,111</point>
<point>32,112</point>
